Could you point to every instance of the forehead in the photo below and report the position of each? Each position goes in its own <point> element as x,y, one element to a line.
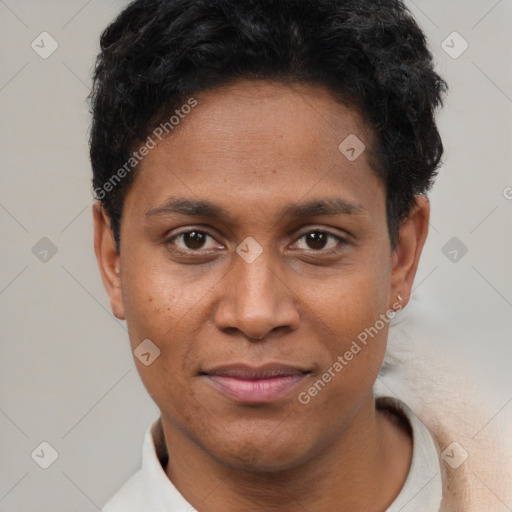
<point>304,118</point>
<point>256,144</point>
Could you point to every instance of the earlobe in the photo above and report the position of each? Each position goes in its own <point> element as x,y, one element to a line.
<point>412,236</point>
<point>108,259</point>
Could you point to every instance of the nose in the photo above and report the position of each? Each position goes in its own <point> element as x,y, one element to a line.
<point>256,300</point>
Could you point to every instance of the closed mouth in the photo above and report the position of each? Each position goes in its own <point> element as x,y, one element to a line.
<point>263,384</point>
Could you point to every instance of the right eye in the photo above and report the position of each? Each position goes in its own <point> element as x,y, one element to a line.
<point>192,241</point>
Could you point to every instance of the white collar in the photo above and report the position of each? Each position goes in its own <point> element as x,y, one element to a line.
<point>150,490</point>
<point>423,488</point>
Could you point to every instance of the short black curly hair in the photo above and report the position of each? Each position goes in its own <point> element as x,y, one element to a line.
<point>371,54</point>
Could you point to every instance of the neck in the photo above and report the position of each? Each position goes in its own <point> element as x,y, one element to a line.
<point>364,468</point>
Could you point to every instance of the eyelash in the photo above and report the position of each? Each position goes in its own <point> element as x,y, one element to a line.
<point>341,241</point>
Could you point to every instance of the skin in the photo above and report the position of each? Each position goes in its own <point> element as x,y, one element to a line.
<point>252,148</point>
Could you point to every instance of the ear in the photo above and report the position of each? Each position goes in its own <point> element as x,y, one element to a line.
<point>412,235</point>
<point>108,259</point>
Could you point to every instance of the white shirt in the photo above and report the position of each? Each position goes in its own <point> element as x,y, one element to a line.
<point>150,490</point>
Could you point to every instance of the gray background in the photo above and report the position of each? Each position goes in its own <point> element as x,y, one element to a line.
<point>67,375</point>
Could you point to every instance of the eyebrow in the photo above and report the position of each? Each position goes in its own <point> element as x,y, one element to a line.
<point>202,208</point>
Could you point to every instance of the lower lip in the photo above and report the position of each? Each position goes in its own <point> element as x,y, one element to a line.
<point>255,391</point>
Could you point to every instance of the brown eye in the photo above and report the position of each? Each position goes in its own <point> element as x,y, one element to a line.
<point>316,239</point>
<point>319,241</point>
<point>194,239</point>
<point>191,241</point>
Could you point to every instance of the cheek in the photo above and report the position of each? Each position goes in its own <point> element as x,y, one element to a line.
<point>350,301</point>
<point>356,345</point>
<point>158,311</point>
<point>167,306</point>
<point>159,299</point>
<point>352,307</point>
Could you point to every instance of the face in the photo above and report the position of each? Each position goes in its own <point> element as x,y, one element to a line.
<point>254,253</point>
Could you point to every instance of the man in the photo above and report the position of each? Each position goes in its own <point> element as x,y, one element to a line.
<point>260,169</point>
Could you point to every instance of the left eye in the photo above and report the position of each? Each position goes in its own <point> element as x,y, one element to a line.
<point>317,240</point>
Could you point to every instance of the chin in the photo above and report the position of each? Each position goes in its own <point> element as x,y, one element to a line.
<point>261,452</point>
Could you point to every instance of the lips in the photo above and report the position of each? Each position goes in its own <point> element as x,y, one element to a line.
<point>248,384</point>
